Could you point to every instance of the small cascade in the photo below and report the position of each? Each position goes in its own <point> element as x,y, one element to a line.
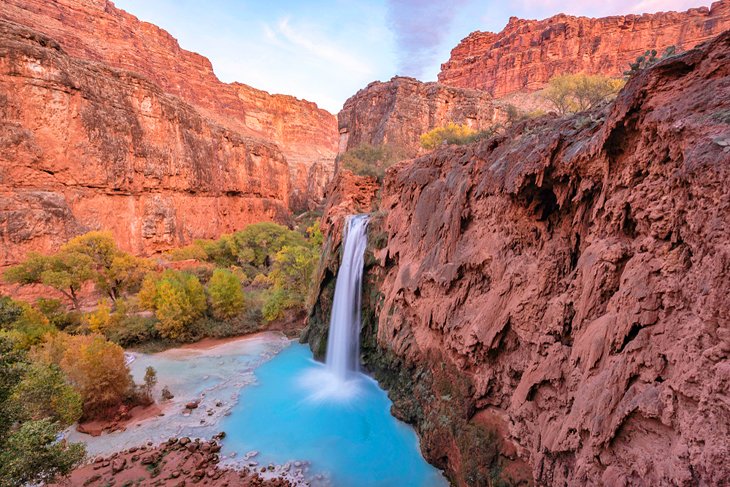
<point>343,344</point>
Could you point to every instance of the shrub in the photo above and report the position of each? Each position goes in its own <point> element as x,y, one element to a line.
<point>571,93</point>
<point>453,133</point>
<point>94,366</point>
<point>226,294</point>
<point>30,327</point>
<point>44,393</point>
<point>35,404</point>
<point>133,330</point>
<point>278,301</point>
<point>31,454</point>
<point>371,160</point>
<point>648,59</point>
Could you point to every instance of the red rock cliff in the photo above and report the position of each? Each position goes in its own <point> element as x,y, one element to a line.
<point>551,305</point>
<point>96,30</point>
<point>398,111</point>
<point>527,53</point>
<point>86,146</point>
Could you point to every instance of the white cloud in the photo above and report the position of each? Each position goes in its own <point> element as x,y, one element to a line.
<point>299,39</point>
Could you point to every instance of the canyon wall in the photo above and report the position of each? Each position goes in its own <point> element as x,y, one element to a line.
<point>550,306</point>
<point>96,30</point>
<point>398,111</point>
<point>86,146</point>
<point>527,53</point>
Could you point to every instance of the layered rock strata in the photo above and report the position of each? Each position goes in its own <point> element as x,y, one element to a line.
<point>527,53</point>
<point>551,306</point>
<point>87,146</point>
<point>395,113</point>
<point>96,30</point>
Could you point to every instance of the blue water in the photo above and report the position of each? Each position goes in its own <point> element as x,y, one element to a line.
<point>350,436</point>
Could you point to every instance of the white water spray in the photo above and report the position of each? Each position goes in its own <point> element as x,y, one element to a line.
<point>343,344</point>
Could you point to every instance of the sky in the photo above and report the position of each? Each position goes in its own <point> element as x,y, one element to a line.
<point>326,50</point>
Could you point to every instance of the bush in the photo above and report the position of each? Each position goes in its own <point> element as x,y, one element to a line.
<point>226,294</point>
<point>133,330</point>
<point>572,93</point>
<point>454,133</point>
<point>35,404</point>
<point>371,160</point>
<point>647,60</point>
<point>177,298</point>
<point>94,366</point>
<point>31,454</point>
<point>44,393</point>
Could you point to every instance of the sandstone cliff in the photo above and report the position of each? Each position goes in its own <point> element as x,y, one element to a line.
<point>87,146</point>
<point>398,111</point>
<point>95,30</point>
<point>527,53</point>
<point>551,305</point>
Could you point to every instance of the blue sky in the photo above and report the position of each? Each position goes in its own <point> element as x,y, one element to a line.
<point>326,50</point>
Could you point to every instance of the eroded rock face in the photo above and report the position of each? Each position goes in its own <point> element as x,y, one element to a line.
<point>96,30</point>
<point>86,146</point>
<point>398,111</point>
<point>551,305</point>
<point>527,53</point>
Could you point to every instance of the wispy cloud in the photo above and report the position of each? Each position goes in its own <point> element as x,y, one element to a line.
<point>284,34</point>
<point>420,26</point>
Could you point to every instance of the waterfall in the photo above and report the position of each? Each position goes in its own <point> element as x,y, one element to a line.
<point>343,344</point>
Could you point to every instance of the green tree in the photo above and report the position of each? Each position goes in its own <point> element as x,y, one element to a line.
<point>115,272</point>
<point>44,393</point>
<point>226,294</point>
<point>177,298</point>
<point>66,272</point>
<point>31,327</point>
<point>150,381</point>
<point>257,244</point>
<point>293,267</point>
<point>31,454</point>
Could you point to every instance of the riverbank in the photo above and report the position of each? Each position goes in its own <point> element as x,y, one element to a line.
<point>176,462</point>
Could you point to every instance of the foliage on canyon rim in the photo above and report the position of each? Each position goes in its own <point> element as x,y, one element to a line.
<point>573,93</point>
<point>647,60</point>
<point>371,160</point>
<point>453,133</point>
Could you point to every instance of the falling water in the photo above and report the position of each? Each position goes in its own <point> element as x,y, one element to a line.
<point>343,345</point>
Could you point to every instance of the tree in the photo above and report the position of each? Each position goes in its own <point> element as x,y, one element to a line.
<point>571,93</point>
<point>30,328</point>
<point>66,272</point>
<point>32,454</point>
<point>226,294</point>
<point>293,267</point>
<point>114,271</point>
<point>177,298</point>
<point>44,393</point>
<point>150,381</point>
<point>94,366</point>
<point>29,452</point>
<point>257,244</point>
